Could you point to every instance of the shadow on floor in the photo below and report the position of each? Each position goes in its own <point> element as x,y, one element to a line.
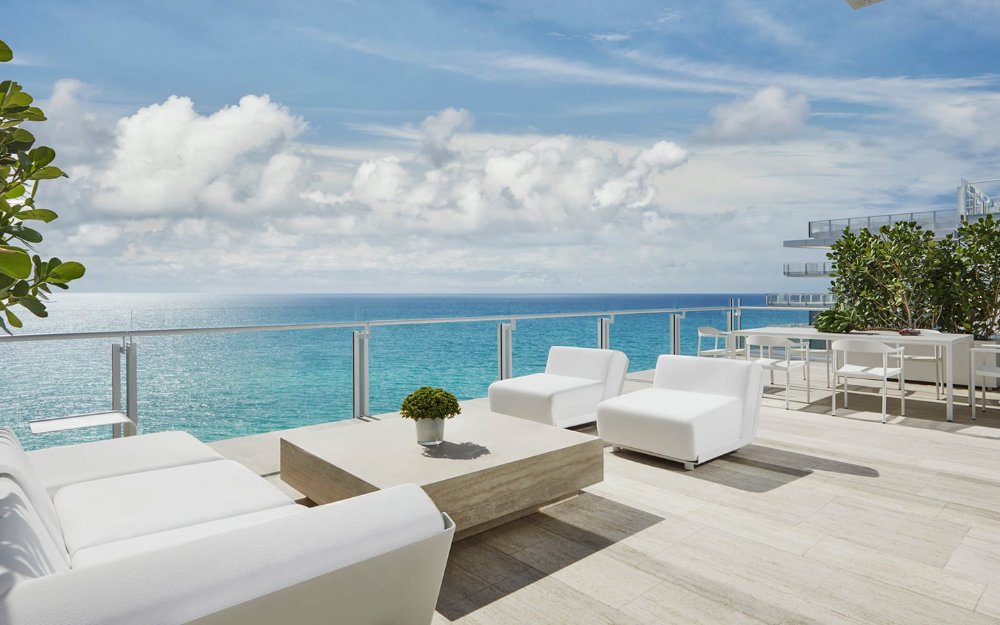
<point>489,566</point>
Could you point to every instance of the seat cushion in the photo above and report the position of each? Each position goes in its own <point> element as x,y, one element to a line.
<point>14,464</point>
<point>60,466</point>
<point>547,398</point>
<point>871,373</point>
<point>26,548</point>
<point>676,424</point>
<point>126,506</point>
<point>163,540</point>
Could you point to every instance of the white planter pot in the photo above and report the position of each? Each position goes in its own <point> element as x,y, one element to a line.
<point>430,431</point>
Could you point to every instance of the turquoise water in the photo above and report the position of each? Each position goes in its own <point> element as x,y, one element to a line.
<point>225,385</point>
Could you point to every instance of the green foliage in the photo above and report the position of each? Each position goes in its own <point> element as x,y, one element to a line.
<point>902,277</point>
<point>838,320</point>
<point>25,279</point>
<point>977,278</point>
<point>430,403</point>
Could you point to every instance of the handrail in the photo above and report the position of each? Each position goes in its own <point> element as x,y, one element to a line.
<point>345,324</point>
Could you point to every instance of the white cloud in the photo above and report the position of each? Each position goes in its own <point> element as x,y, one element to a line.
<point>610,37</point>
<point>768,115</point>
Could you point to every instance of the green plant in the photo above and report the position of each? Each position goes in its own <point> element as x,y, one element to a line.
<point>837,320</point>
<point>25,279</point>
<point>430,403</point>
<point>977,277</point>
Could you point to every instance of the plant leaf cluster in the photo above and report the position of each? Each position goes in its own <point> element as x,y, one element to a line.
<point>430,403</point>
<point>26,279</point>
<point>903,276</point>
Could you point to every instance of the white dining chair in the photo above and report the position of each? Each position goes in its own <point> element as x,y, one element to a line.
<point>768,362</point>
<point>977,369</point>
<point>935,356</point>
<point>847,370</point>
<point>715,335</point>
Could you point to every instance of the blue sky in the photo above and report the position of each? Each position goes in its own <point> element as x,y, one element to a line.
<point>496,146</point>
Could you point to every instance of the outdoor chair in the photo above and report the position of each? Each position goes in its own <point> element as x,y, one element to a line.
<point>697,409</point>
<point>767,361</point>
<point>846,370</point>
<point>727,350</point>
<point>977,369</point>
<point>576,379</point>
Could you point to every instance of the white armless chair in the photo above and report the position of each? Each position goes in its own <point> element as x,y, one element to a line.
<point>768,362</point>
<point>728,348</point>
<point>982,367</point>
<point>576,379</point>
<point>847,370</point>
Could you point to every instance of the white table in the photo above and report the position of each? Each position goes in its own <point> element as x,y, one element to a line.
<point>946,341</point>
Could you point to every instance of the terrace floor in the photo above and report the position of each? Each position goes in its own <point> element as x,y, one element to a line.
<point>822,520</point>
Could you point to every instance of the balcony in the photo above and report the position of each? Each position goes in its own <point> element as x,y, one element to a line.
<point>800,300</point>
<point>808,270</point>
<point>823,233</point>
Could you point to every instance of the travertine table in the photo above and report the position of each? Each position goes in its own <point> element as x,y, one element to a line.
<point>490,470</point>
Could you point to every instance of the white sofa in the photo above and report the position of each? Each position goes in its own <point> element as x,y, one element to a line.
<point>576,379</point>
<point>161,530</point>
<point>696,410</point>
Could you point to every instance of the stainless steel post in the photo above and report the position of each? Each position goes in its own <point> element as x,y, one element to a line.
<point>505,350</point>
<point>675,334</point>
<point>360,384</point>
<point>116,386</point>
<point>604,332</point>
<point>131,386</point>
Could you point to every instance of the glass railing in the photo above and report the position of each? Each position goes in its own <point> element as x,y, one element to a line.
<point>228,381</point>
<point>939,220</point>
<point>803,300</point>
<point>808,270</point>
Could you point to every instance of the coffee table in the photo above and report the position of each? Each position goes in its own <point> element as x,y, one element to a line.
<point>490,470</point>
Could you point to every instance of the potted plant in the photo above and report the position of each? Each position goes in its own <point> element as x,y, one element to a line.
<point>429,407</point>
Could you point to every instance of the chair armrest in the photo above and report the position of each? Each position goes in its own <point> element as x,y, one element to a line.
<point>204,578</point>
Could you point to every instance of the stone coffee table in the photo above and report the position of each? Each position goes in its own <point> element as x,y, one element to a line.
<point>490,470</point>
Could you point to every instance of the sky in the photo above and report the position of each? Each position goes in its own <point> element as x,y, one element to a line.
<point>494,146</point>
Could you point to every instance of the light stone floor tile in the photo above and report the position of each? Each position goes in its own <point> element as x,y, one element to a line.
<point>976,557</point>
<point>989,603</point>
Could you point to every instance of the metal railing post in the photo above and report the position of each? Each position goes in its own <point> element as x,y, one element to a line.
<point>360,384</point>
<point>116,386</point>
<point>505,350</point>
<point>731,315</point>
<point>675,333</point>
<point>131,387</point>
<point>604,332</point>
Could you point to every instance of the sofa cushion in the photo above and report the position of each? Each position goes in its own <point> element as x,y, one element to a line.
<point>164,540</point>
<point>126,506</point>
<point>26,547</point>
<point>675,424</point>
<point>14,463</point>
<point>607,365</point>
<point>546,398</point>
<point>60,466</point>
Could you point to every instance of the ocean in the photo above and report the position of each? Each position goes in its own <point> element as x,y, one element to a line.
<point>219,386</point>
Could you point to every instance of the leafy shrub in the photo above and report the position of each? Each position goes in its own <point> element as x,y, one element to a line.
<point>837,320</point>
<point>25,279</point>
<point>430,403</point>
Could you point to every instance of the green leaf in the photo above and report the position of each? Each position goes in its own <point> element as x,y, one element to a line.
<point>38,214</point>
<point>36,307</point>
<point>66,272</point>
<point>47,173</point>
<point>27,235</point>
<point>15,193</point>
<point>12,319</point>
<point>42,156</point>
<point>5,52</point>
<point>14,262</point>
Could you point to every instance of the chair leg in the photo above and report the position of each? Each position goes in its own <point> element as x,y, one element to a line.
<point>972,392</point>
<point>846,382</point>
<point>885,394</point>
<point>902,394</point>
<point>788,387</point>
<point>689,466</point>
<point>808,384</point>
<point>833,395</point>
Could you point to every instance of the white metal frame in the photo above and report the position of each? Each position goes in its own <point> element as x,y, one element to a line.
<point>847,346</point>
<point>771,364</point>
<point>983,371</point>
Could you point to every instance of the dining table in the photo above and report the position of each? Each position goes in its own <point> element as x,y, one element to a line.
<point>947,342</point>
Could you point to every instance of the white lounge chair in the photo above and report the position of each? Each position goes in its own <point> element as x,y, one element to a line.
<point>576,379</point>
<point>161,530</point>
<point>698,409</point>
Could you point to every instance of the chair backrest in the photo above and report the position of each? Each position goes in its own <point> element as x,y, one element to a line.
<point>709,331</point>
<point>862,346</point>
<point>27,517</point>
<point>606,365</point>
<point>715,376</point>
